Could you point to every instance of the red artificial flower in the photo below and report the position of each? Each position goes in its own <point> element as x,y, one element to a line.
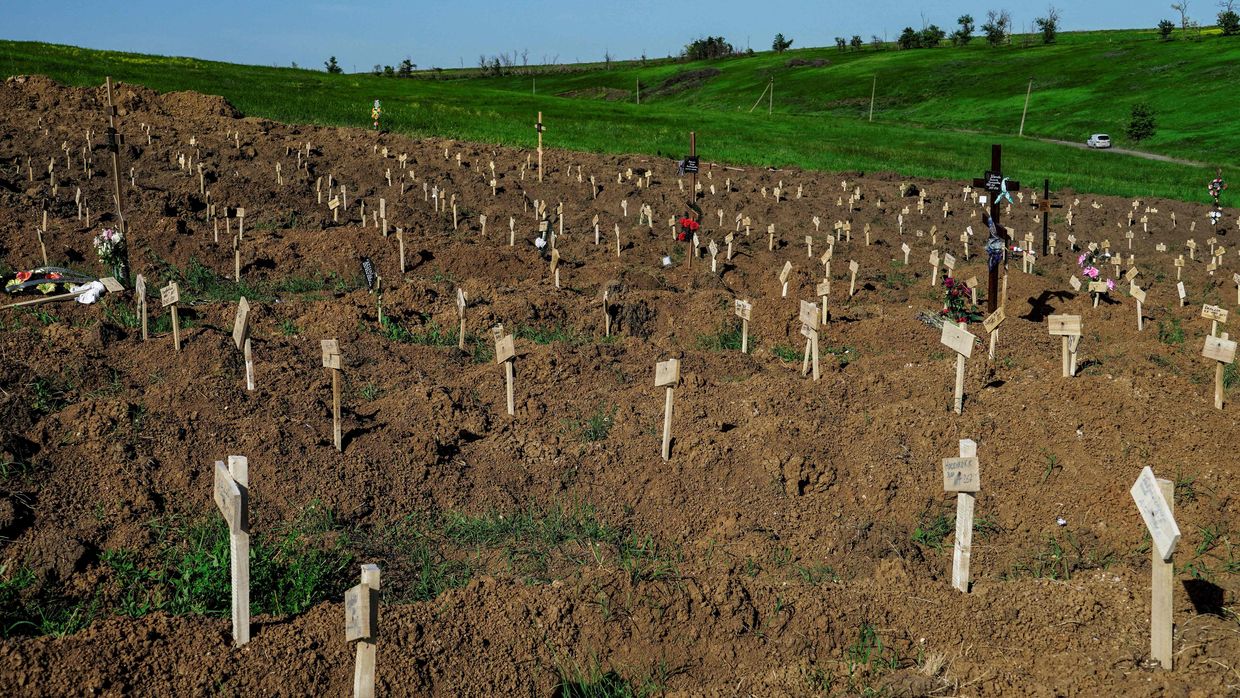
<point>53,276</point>
<point>23,276</point>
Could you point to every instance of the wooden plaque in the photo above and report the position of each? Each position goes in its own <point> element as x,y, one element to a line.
<point>743,309</point>
<point>228,498</point>
<point>934,258</point>
<point>1213,312</point>
<point>111,285</point>
<point>1137,292</point>
<point>971,282</point>
<point>505,349</point>
<point>333,203</point>
<point>1075,283</point>
<point>824,287</point>
<point>1179,288</point>
<point>1156,514</point>
<point>1097,287</point>
<point>729,238</point>
<point>853,266</point>
<point>949,261</point>
<point>1065,325</point>
<point>241,325</point>
<point>359,613</point>
<point>331,353</point>
<point>460,301</point>
<point>957,339</point>
<point>555,260</point>
<point>1219,349</point>
<point>240,213</point>
<point>992,321</point>
<point>170,295</point>
<point>809,315</point>
<point>827,254</point>
<point>497,332</point>
<point>1131,273</point>
<point>667,373</point>
<point>961,475</point>
<point>785,272</point>
<point>905,248</point>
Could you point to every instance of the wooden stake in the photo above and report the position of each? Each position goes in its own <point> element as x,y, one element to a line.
<point>232,497</point>
<point>667,373</point>
<point>361,613</point>
<point>460,309</point>
<point>505,351</point>
<point>961,475</point>
<point>1155,499</point>
<point>170,295</point>
<point>332,361</point>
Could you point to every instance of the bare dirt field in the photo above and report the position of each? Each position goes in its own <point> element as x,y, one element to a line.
<point>797,542</point>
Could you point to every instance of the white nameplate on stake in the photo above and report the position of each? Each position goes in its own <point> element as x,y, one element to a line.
<point>1156,514</point>
<point>961,475</point>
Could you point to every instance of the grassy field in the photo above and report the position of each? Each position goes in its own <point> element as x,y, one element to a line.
<point>937,110</point>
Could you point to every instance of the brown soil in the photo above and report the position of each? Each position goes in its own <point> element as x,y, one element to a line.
<point>770,472</point>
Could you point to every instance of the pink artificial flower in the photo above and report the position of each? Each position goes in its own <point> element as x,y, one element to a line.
<point>1080,260</point>
<point>1091,272</point>
<point>1110,284</point>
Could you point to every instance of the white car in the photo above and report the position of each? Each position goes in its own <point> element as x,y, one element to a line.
<point>1099,140</point>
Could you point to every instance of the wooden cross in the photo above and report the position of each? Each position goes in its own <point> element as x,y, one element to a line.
<point>962,476</point>
<point>667,374</point>
<point>361,620</point>
<point>992,182</point>
<point>331,361</point>
<point>1155,500</point>
<point>1045,204</point>
<point>539,128</point>
<point>232,497</point>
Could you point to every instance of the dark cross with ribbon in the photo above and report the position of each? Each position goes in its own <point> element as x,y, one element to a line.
<point>1045,206</point>
<point>998,187</point>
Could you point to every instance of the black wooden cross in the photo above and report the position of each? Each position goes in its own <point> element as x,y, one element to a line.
<point>1045,206</point>
<point>994,185</point>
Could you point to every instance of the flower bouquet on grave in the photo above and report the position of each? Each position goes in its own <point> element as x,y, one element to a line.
<point>45,280</point>
<point>110,246</point>
<point>1091,263</point>
<point>956,305</point>
<point>688,228</point>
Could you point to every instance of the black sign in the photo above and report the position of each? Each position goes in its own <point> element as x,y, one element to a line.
<point>539,127</point>
<point>691,164</point>
<point>368,269</point>
<point>113,146</point>
<point>994,181</point>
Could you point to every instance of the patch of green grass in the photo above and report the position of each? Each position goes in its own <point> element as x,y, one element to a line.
<point>816,573</point>
<point>787,353</point>
<point>1231,377</point>
<point>1052,464</point>
<point>292,567</point>
<point>51,394</point>
<point>1171,333</point>
<point>25,610</point>
<point>844,354</point>
<point>869,651</point>
<point>727,338</point>
<point>591,681</point>
<point>432,335</point>
<point>596,426</point>
<point>1061,559</point>
<point>288,328</point>
<point>932,530</point>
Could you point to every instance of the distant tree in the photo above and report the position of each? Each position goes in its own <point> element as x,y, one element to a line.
<point>909,38</point>
<point>388,71</point>
<point>406,68</point>
<point>710,47</point>
<point>1182,8</point>
<point>998,27</point>
<point>841,43</point>
<point>332,66</point>
<point>877,42</point>
<point>963,35</point>
<point>1141,124</point>
<point>1165,28</point>
<point>1228,19</point>
<point>856,42</point>
<point>1049,25</point>
<point>932,36</point>
<point>377,70</point>
<point>780,44</point>
<point>607,58</point>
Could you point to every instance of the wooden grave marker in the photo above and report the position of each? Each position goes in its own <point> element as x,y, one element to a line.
<point>170,296</point>
<point>957,338</point>
<point>991,325</point>
<point>332,362</point>
<point>505,352</point>
<point>744,309</point>
<point>361,623</point>
<point>232,497</point>
<point>784,274</point>
<point>139,290</point>
<point>241,338</point>
<point>904,247</point>
<point>852,281</point>
<point>962,475</point>
<point>1222,350</point>
<point>1215,315</point>
<point>667,373</point>
<point>1138,294</point>
<point>1068,327</point>
<point>808,316</point>
<point>460,310</point>
<point>1155,500</point>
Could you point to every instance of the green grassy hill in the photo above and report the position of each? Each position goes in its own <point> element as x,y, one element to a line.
<point>937,110</point>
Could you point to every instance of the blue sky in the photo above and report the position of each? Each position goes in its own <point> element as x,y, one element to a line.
<point>451,33</point>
